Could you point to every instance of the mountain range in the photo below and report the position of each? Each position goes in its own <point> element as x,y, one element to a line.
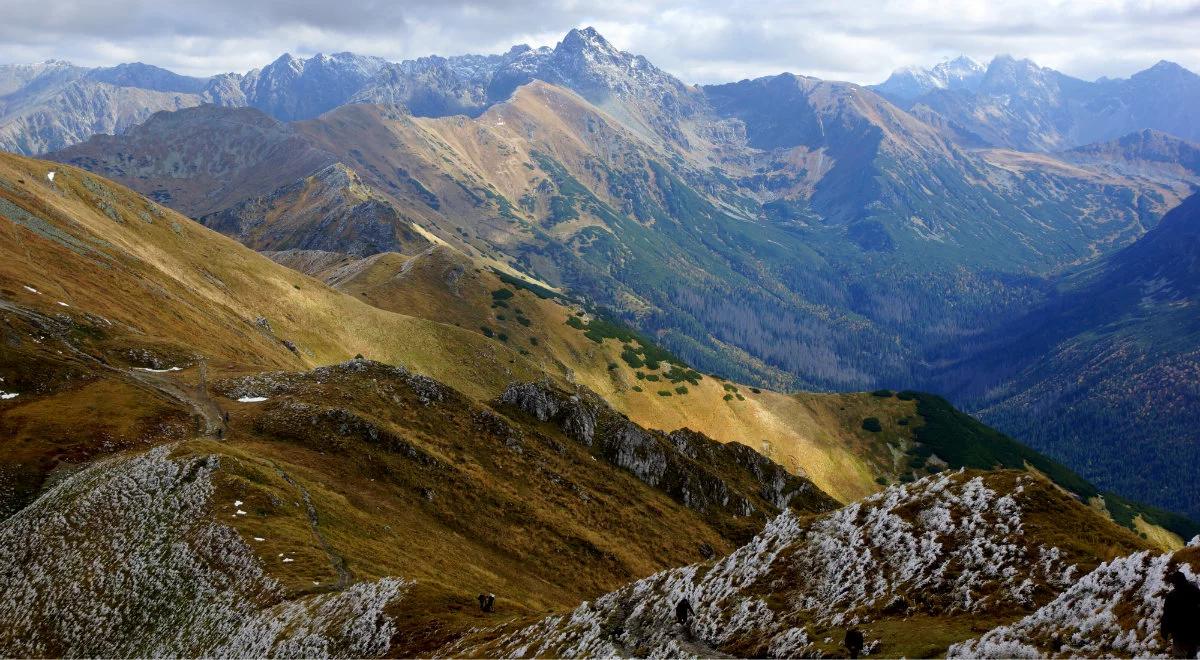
<point>787,230</point>
<point>300,361</point>
<point>1017,104</point>
<point>196,428</point>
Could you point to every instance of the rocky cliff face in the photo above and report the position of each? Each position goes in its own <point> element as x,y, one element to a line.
<point>724,480</point>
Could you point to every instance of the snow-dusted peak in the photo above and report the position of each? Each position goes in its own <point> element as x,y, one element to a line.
<point>910,82</point>
<point>587,39</point>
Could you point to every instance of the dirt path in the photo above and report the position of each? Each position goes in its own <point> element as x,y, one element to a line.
<point>339,564</point>
<point>203,405</point>
<point>197,398</point>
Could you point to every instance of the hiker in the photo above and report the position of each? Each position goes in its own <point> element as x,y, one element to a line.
<point>491,603</point>
<point>482,602</point>
<point>854,642</point>
<point>1181,616</point>
<point>683,610</point>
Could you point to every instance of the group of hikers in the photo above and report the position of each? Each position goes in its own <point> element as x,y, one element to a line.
<point>1180,619</point>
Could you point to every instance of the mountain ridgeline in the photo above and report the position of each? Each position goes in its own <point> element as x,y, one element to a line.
<point>789,231</point>
<point>509,355</point>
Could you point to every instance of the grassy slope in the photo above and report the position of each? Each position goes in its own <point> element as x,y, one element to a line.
<point>357,477</point>
<point>817,435</point>
<point>199,279</point>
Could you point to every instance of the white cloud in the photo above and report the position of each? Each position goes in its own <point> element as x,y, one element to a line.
<point>700,41</point>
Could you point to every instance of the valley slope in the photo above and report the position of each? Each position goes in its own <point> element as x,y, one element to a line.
<point>315,502</point>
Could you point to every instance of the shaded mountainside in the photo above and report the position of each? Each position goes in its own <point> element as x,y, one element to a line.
<point>1108,363</point>
<point>1148,153</point>
<point>329,210</point>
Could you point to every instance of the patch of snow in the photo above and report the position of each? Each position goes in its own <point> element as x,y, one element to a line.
<point>8,395</point>
<point>259,539</point>
<point>159,371</point>
<point>252,399</point>
<point>32,290</point>
<point>237,502</point>
<point>288,560</point>
<point>50,175</point>
<point>240,512</point>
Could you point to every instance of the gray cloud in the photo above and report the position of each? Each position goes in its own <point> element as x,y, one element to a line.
<point>700,40</point>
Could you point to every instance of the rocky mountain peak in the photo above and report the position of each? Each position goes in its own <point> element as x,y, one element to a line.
<point>1165,72</point>
<point>587,40</point>
<point>910,82</point>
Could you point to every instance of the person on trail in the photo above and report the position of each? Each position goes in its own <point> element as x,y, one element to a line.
<point>683,611</point>
<point>1181,616</point>
<point>491,603</point>
<point>482,602</point>
<point>854,642</point>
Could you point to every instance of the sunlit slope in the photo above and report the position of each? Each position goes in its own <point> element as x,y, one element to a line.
<point>90,247</point>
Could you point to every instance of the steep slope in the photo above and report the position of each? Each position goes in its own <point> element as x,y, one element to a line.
<point>1108,363</point>
<point>202,160</point>
<point>295,88</point>
<point>915,568</point>
<point>331,209</point>
<point>819,436</point>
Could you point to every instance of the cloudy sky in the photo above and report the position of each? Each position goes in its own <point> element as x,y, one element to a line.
<point>700,41</point>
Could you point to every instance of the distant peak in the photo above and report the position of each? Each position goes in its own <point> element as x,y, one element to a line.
<point>586,39</point>
<point>963,62</point>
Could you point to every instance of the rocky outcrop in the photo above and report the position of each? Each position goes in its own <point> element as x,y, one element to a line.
<point>949,544</point>
<point>125,559</point>
<point>703,474</point>
<point>1114,611</point>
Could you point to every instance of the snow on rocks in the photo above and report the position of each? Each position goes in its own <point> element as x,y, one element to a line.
<point>159,371</point>
<point>31,289</point>
<point>124,559</point>
<point>50,175</point>
<point>1113,611</point>
<point>251,399</point>
<point>8,395</point>
<point>945,544</point>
